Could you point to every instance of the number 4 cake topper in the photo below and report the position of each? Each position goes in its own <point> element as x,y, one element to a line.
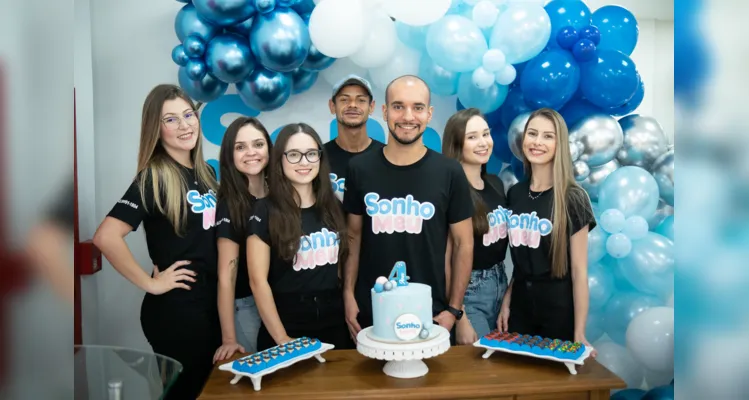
<point>398,274</point>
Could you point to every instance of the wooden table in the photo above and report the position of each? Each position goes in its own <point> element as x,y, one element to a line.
<point>460,373</point>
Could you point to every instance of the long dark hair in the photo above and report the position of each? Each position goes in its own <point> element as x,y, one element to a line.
<point>234,188</point>
<point>285,218</point>
<point>452,146</point>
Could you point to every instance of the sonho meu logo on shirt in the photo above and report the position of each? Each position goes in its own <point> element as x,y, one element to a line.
<point>398,214</point>
<point>316,249</point>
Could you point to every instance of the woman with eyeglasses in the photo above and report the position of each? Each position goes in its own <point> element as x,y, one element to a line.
<point>174,196</point>
<point>296,241</point>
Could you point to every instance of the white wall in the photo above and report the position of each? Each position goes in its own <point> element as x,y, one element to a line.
<point>131,46</point>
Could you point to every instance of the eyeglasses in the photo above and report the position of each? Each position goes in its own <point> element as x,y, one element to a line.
<point>174,122</point>
<point>295,156</point>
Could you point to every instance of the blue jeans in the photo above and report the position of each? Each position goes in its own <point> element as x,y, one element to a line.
<point>247,323</point>
<point>484,297</point>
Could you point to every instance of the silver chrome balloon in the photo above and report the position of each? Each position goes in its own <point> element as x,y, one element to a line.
<point>515,134</point>
<point>644,141</point>
<point>581,170</point>
<point>663,172</point>
<point>507,177</point>
<point>661,213</point>
<point>601,137</point>
<point>576,148</point>
<point>596,176</point>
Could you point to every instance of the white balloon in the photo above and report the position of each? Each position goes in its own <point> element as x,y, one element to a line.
<point>618,360</point>
<point>416,12</point>
<point>340,69</point>
<point>405,61</point>
<point>650,338</point>
<point>379,44</point>
<point>337,28</point>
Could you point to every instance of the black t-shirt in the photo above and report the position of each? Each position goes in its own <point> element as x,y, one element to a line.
<point>406,213</point>
<point>315,266</point>
<point>197,243</point>
<point>338,159</point>
<point>530,229</point>
<point>226,229</point>
<point>490,248</point>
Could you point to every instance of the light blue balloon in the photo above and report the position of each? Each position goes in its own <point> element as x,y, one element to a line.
<point>600,286</point>
<point>618,28</point>
<point>317,61</point>
<point>178,55</point>
<point>486,100</point>
<point>666,228</point>
<point>597,244</point>
<point>196,69</point>
<point>482,78</point>
<point>521,32</point>
<point>622,308</point>
<point>649,267</point>
<point>265,90</point>
<point>612,220</point>
<point>456,43</point>
<point>632,190</point>
<point>618,245</point>
<point>414,37</point>
<point>229,58</point>
<point>224,12</point>
<point>432,140</point>
<point>440,81</point>
<point>302,80</point>
<point>188,23</point>
<point>205,90</point>
<point>594,328</point>
<point>241,28</point>
<point>280,40</point>
<point>550,79</point>
<point>636,227</point>
<point>216,166</point>
<point>265,6</point>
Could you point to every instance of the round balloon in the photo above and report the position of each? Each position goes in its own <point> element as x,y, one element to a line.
<point>644,141</point>
<point>622,308</point>
<point>205,90</point>
<point>631,190</point>
<point>196,69</point>
<point>581,170</point>
<point>178,55</point>
<point>224,12</point>
<point>612,220</point>
<point>618,28</point>
<point>666,228</point>
<point>441,81</point>
<point>280,40</point>
<point>650,338</point>
<point>597,176</point>
<point>601,137</point>
<point>610,81</point>
<point>636,227</point>
<point>649,267</point>
<point>521,32</point>
<point>456,44</point>
<point>632,104</point>
<point>241,28</point>
<point>600,286</point>
<point>416,12</point>
<point>229,58</point>
<point>618,360</point>
<point>515,134</point>
<point>550,79</point>
<point>578,109</point>
<point>405,61</point>
<point>188,23</point>
<point>317,61</point>
<point>302,80</point>
<point>379,44</point>
<point>513,106</point>
<point>564,13</point>
<point>661,213</point>
<point>337,28</point>
<point>265,90</point>
<point>663,172</point>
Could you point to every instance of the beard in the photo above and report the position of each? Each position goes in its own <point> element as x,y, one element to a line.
<point>405,142</point>
<point>351,124</point>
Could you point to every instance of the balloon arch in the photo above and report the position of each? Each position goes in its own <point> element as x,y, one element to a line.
<point>507,58</point>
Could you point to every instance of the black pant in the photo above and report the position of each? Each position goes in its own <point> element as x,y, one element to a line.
<point>544,308</point>
<point>316,315</point>
<point>187,333</point>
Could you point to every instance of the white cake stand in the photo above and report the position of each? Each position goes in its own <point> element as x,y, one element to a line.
<point>404,360</point>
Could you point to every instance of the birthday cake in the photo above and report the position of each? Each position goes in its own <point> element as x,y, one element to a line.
<point>535,345</point>
<point>401,311</point>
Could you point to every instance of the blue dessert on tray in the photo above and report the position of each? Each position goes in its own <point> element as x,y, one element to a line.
<point>560,349</point>
<point>263,360</point>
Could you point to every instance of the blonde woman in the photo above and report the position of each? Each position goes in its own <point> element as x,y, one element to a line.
<point>174,196</point>
<point>549,219</point>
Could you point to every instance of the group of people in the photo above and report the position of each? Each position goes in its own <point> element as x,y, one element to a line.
<point>292,240</point>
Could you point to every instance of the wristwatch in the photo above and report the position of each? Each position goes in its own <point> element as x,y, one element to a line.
<point>458,314</point>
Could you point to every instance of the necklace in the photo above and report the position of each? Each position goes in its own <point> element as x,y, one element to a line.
<point>536,196</point>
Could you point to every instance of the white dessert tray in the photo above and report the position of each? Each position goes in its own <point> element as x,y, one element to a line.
<point>569,363</point>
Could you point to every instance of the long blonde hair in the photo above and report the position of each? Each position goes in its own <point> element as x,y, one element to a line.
<point>155,165</point>
<point>568,195</point>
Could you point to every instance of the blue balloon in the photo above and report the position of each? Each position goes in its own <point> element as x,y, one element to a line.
<point>618,28</point>
<point>517,168</point>
<point>494,166</point>
<point>414,37</point>
<point>591,33</point>
<point>317,61</point>
<point>501,148</point>
<point>178,55</point>
<point>636,227</point>
<point>216,166</point>
<point>609,81</point>
<point>649,267</point>
<point>578,109</point>
<point>486,100</point>
<point>456,44</point>
<point>630,189</point>
<point>440,81</point>
<point>600,286</point>
<point>566,13</point>
<point>628,394</point>
<point>432,140</point>
<point>280,40</point>
<point>194,46</point>
<point>265,90</point>
<point>188,23</point>
<point>597,244</point>
<point>265,6</point>
<point>302,80</point>
<point>622,308</point>
<point>612,220</point>
<point>566,37</point>
<point>618,245</point>
<point>196,69</point>
<point>210,116</point>
<point>374,130</point>
<point>630,105</point>
<point>665,392</point>
<point>513,106</point>
<point>550,79</point>
<point>242,28</point>
<point>229,58</point>
<point>224,12</point>
<point>594,327</point>
<point>274,135</point>
<point>584,50</point>
<point>204,90</point>
<point>666,228</point>
<point>304,7</point>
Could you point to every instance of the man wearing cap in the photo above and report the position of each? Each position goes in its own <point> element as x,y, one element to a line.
<point>352,103</point>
